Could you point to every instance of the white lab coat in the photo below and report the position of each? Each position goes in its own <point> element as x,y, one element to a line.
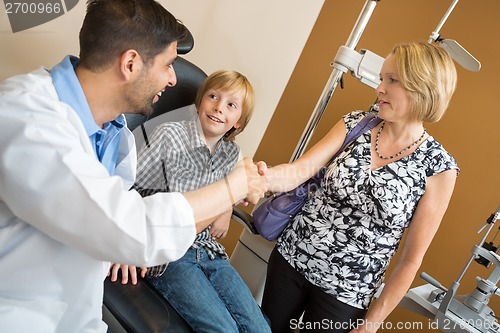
<point>63,218</point>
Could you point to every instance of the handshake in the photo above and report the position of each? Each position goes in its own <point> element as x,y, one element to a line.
<point>248,181</point>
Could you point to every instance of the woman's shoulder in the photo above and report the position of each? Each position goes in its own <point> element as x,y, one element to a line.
<point>352,118</point>
<point>436,158</point>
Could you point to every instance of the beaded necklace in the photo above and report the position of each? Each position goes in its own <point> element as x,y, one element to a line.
<point>397,154</point>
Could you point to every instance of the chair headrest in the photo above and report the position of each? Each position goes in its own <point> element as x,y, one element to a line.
<point>186,44</point>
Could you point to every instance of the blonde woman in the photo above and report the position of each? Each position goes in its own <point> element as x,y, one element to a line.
<point>331,259</point>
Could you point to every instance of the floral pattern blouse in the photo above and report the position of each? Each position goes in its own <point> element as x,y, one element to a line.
<point>346,234</point>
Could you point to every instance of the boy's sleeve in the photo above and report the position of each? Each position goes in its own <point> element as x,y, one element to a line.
<point>149,164</point>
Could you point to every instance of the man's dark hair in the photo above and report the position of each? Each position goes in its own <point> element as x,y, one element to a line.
<point>112,27</point>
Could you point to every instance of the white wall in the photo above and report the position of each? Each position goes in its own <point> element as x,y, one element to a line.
<point>262,39</point>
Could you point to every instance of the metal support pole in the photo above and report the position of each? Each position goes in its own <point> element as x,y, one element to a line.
<point>335,77</point>
<point>435,34</point>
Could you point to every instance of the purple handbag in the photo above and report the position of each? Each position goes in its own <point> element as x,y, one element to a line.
<point>274,214</point>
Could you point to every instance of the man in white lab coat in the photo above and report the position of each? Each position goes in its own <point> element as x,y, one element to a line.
<point>67,161</point>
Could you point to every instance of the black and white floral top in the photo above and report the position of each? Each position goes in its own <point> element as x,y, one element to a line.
<point>346,234</point>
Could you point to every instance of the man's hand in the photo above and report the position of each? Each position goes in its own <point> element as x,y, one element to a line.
<point>256,183</point>
<point>125,269</point>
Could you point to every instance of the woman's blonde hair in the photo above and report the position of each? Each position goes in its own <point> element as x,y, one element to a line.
<point>428,73</point>
<point>229,80</point>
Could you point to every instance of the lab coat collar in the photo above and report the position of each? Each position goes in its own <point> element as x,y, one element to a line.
<point>70,92</point>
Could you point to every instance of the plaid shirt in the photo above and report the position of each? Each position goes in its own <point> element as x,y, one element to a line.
<point>176,159</point>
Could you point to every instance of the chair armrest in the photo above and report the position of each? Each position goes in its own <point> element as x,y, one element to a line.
<point>140,309</point>
<point>245,219</point>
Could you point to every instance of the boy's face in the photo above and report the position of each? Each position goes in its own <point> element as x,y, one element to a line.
<point>219,111</point>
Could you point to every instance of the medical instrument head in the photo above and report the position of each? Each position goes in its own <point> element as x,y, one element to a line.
<point>428,73</point>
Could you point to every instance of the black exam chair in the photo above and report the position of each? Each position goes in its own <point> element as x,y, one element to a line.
<point>139,309</point>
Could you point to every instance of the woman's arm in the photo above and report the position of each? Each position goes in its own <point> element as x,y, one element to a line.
<point>285,177</point>
<point>423,227</point>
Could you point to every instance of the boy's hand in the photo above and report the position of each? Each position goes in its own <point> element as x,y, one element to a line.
<point>220,226</point>
<point>125,269</point>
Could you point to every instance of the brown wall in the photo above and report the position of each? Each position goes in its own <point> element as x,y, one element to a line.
<point>469,130</point>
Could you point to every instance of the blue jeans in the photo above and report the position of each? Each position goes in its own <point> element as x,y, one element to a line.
<point>210,295</point>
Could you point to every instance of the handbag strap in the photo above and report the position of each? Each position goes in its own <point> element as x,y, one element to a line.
<point>367,123</point>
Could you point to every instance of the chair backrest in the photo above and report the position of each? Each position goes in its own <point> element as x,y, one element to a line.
<point>189,79</point>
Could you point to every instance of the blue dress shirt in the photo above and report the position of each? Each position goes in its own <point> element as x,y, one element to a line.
<point>106,140</point>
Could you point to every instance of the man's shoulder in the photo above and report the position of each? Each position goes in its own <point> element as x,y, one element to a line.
<point>37,81</point>
<point>35,88</point>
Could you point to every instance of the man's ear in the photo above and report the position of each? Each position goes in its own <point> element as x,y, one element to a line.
<point>130,64</point>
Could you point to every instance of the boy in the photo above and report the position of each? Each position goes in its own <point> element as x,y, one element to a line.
<point>182,156</point>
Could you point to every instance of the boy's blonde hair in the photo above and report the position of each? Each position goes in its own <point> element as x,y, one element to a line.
<point>229,80</point>
<point>429,75</point>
